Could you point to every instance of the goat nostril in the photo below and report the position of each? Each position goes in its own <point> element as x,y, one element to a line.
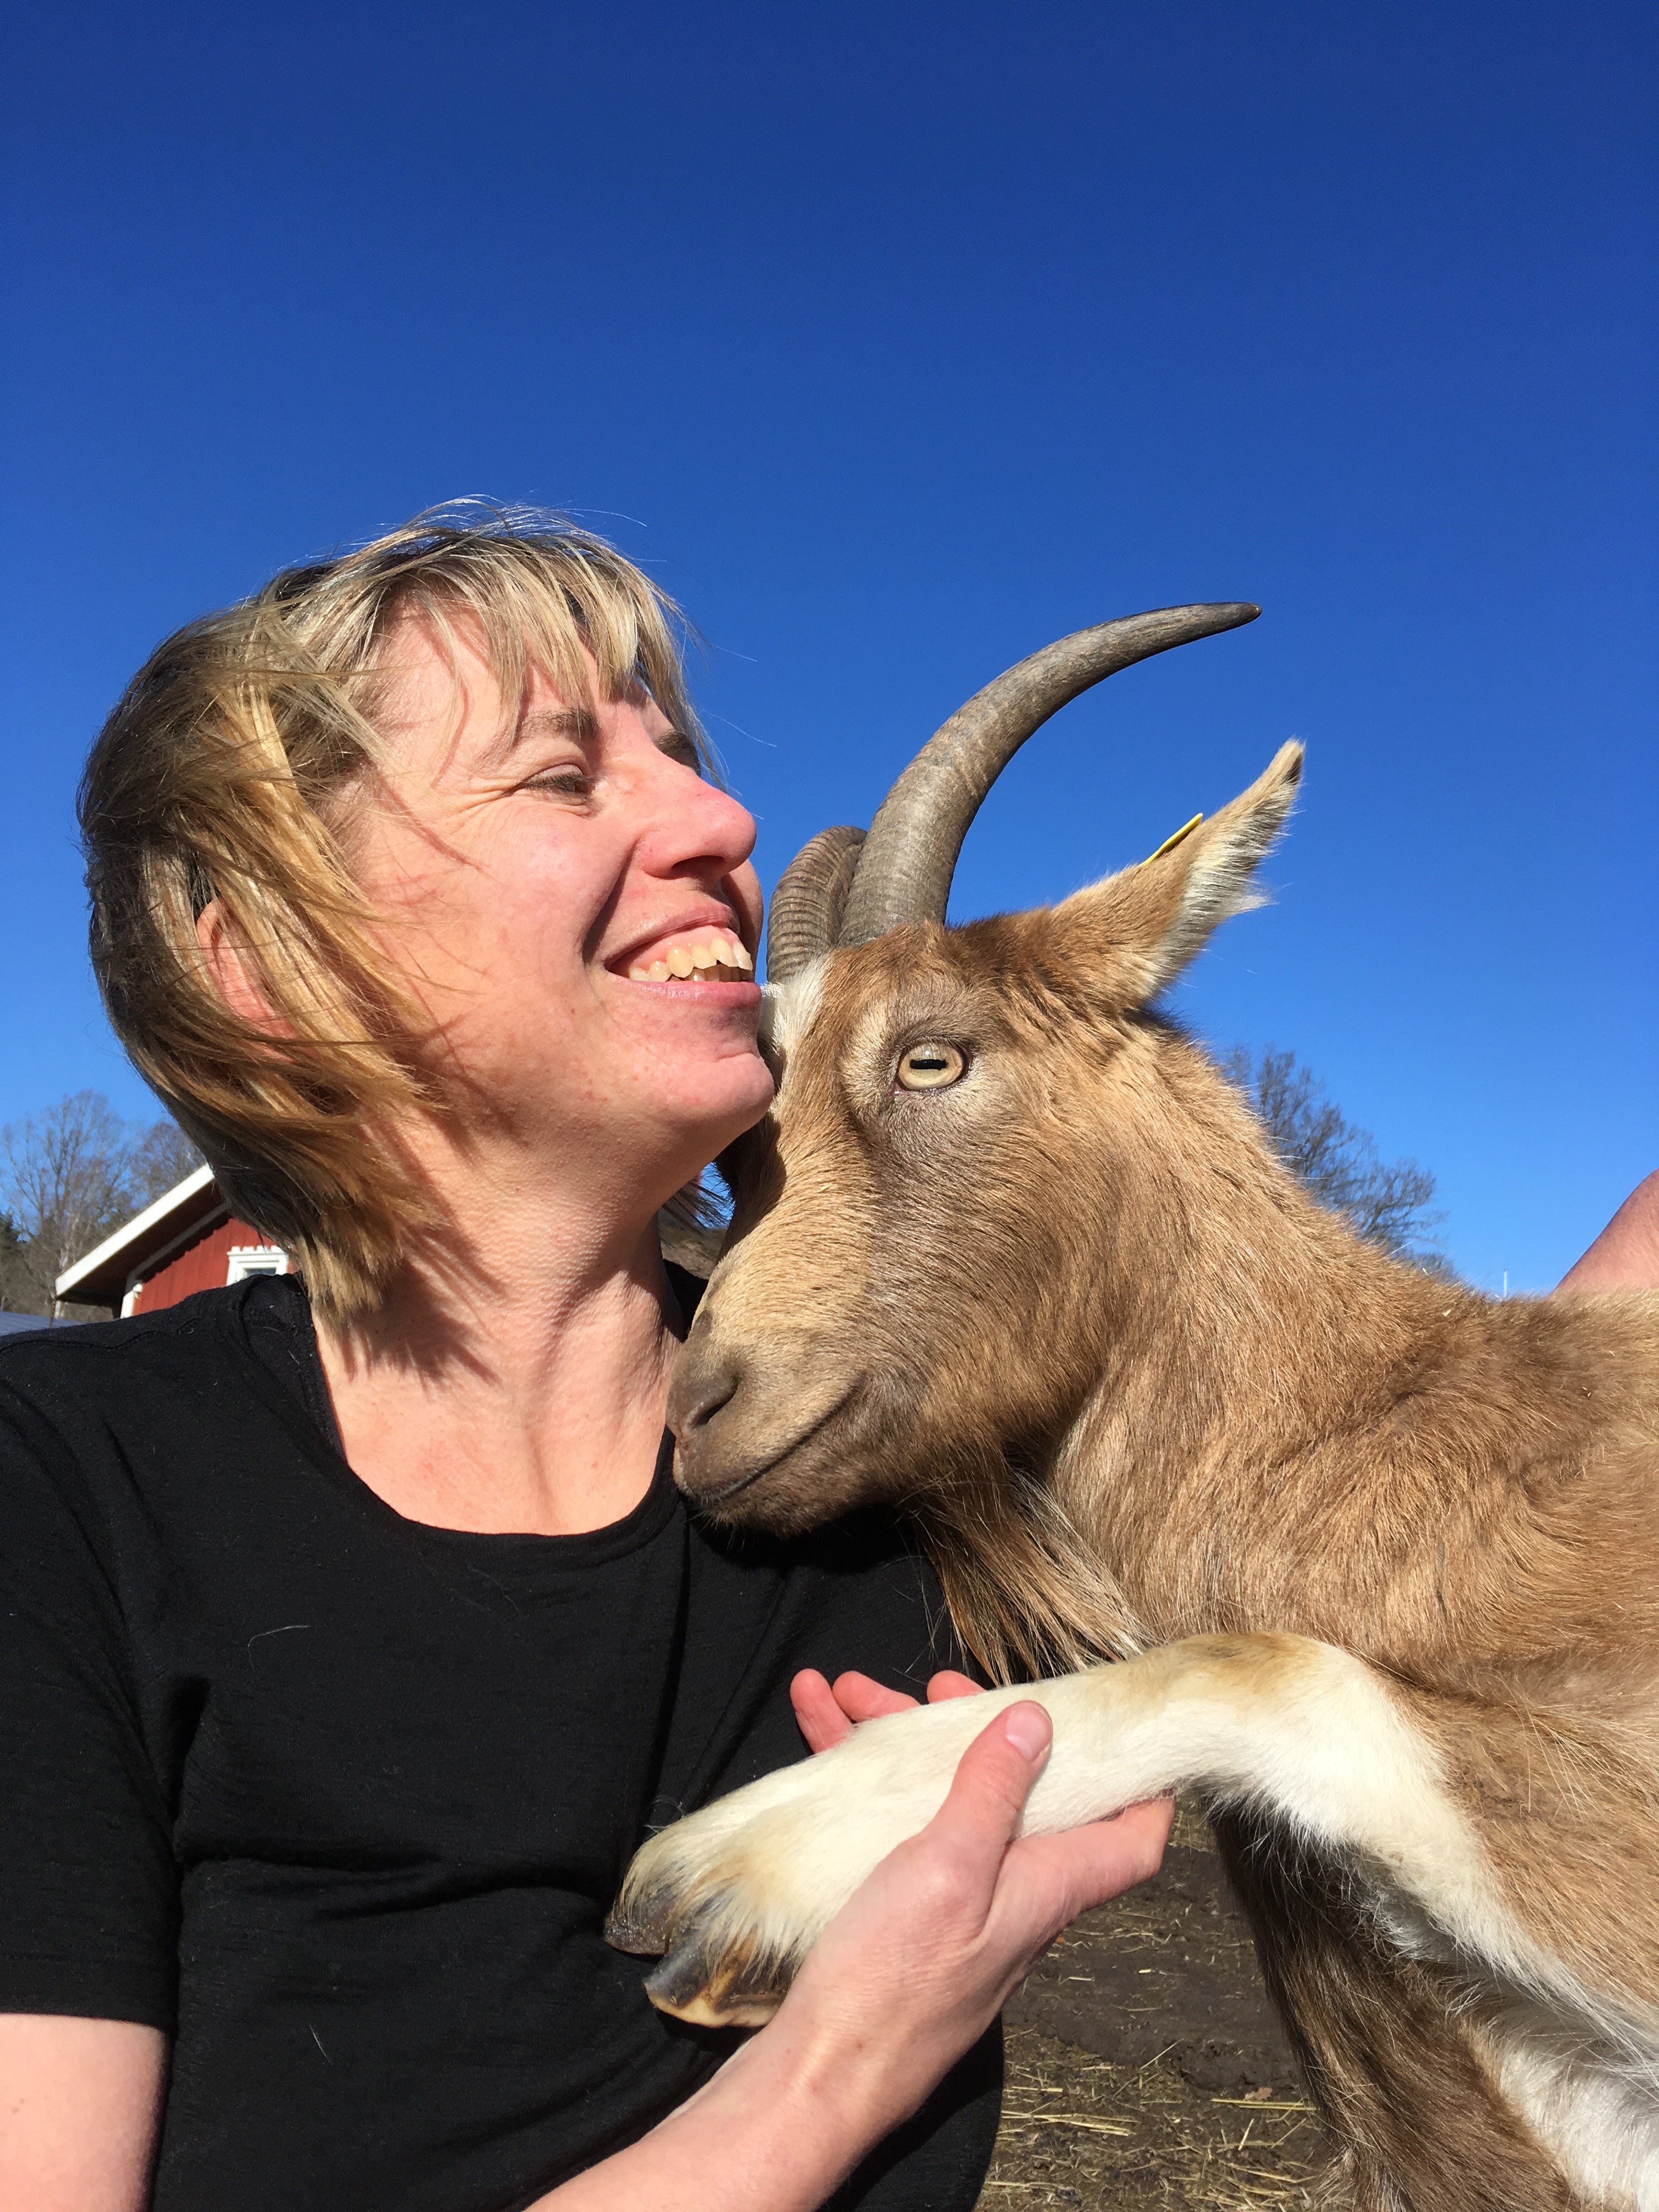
<point>695,1407</point>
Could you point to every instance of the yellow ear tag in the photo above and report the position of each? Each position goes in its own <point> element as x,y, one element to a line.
<point>1170,843</point>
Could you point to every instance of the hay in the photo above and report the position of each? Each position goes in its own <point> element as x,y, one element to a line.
<point>1084,2132</point>
<point>1080,2133</point>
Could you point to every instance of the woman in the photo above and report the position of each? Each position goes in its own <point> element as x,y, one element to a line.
<point>353,1634</point>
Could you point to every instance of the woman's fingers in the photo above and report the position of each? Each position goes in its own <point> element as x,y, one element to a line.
<point>948,1684</point>
<point>1071,1872</point>
<point>862,1699</point>
<point>982,1811</point>
<point>826,1713</point>
<point>818,1716</point>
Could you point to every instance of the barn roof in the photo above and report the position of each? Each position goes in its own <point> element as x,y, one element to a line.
<point>102,1277</point>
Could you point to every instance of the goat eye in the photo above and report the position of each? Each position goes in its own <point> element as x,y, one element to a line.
<point>930,1066</point>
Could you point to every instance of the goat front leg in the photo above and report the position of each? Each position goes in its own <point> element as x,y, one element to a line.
<point>735,1895</point>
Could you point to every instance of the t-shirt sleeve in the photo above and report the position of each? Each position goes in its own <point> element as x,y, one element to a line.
<point>87,1885</point>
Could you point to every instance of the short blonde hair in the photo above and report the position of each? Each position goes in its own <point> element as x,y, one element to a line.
<point>214,778</point>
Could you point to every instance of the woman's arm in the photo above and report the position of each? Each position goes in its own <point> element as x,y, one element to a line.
<point>1625,1255</point>
<point>909,1974</point>
<point>80,2108</point>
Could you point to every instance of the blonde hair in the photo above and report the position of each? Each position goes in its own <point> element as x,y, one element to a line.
<point>214,779</point>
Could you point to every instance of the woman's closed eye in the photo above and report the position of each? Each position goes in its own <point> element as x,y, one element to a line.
<point>570,781</point>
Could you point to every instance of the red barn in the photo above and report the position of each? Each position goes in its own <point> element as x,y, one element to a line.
<point>189,1240</point>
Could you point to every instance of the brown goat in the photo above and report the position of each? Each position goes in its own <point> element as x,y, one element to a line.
<point>1380,1557</point>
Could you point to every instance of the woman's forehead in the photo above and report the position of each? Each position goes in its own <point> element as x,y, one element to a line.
<point>443,693</point>
<point>441,684</point>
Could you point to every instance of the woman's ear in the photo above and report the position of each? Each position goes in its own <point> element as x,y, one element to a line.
<point>228,964</point>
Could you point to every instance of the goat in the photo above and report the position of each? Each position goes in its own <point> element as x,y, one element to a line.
<point>1374,1559</point>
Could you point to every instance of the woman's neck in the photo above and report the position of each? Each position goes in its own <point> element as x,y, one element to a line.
<point>513,1378</point>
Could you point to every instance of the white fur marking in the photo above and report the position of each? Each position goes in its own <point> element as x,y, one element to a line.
<point>1595,2108</point>
<point>787,1008</point>
<point>1297,1727</point>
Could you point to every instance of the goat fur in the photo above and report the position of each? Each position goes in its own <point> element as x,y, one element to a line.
<point>1380,1556</point>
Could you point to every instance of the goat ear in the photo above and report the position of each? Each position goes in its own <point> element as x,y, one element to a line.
<point>1136,931</point>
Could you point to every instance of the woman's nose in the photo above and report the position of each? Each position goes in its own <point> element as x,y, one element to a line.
<point>697,825</point>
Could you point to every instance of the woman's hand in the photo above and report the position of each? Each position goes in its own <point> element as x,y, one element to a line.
<point>956,1917</point>
<point>922,1958</point>
<point>826,1713</point>
<point>909,1973</point>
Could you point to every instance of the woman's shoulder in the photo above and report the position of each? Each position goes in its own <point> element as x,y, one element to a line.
<point>155,1403</point>
<point>78,1363</point>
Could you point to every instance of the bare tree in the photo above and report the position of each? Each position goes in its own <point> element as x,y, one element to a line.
<point>161,1156</point>
<point>1391,1202</point>
<point>70,1176</point>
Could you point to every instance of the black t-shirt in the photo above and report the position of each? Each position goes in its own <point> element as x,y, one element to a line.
<point>339,1800</point>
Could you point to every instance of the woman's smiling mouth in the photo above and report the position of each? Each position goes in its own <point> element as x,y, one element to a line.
<point>699,955</point>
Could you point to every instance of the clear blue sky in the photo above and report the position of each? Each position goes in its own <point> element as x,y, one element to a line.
<point>898,340</point>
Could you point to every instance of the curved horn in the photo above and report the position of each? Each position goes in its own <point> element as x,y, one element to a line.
<point>905,870</point>
<point>806,914</point>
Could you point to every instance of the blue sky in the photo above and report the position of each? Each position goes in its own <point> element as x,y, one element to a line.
<point>897,341</point>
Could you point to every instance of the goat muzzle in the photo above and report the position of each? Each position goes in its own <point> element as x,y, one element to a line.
<point>734,1424</point>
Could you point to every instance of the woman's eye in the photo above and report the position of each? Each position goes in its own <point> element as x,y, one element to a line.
<point>563,783</point>
<point>930,1066</point>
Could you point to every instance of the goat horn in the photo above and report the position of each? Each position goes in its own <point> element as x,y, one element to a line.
<point>909,857</point>
<point>805,914</point>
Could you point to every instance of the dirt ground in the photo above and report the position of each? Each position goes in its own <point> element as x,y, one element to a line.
<point>1145,2068</point>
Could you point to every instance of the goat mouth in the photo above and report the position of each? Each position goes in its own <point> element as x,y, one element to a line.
<point>785,1450</point>
<point>732,1489</point>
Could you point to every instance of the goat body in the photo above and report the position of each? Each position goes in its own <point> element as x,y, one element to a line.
<point>1377,1559</point>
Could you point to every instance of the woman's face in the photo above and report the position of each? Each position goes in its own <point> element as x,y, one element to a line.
<point>544,876</point>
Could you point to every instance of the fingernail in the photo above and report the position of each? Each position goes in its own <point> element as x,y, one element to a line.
<point>1027,1729</point>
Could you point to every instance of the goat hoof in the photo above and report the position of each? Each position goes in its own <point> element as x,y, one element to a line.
<point>647,1927</point>
<point>734,1896</point>
<point>717,1984</point>
<point>718,1971</point>
<point>712,1897</point>
<point>709,1977</point>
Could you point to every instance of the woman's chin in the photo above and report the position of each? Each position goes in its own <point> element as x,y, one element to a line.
<point>712,1102</point>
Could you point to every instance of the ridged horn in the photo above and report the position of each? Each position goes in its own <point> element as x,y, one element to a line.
<point>804,920</point>
<point>910,855</point>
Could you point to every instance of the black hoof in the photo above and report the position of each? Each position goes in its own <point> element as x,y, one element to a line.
<point>741,1987</point>
<point>643,1919</point>
<point>625,1933</point>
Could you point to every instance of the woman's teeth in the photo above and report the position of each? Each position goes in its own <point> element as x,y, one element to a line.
<point>709,960</point>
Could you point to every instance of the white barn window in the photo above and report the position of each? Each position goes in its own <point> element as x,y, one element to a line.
<point>247,1260</point>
